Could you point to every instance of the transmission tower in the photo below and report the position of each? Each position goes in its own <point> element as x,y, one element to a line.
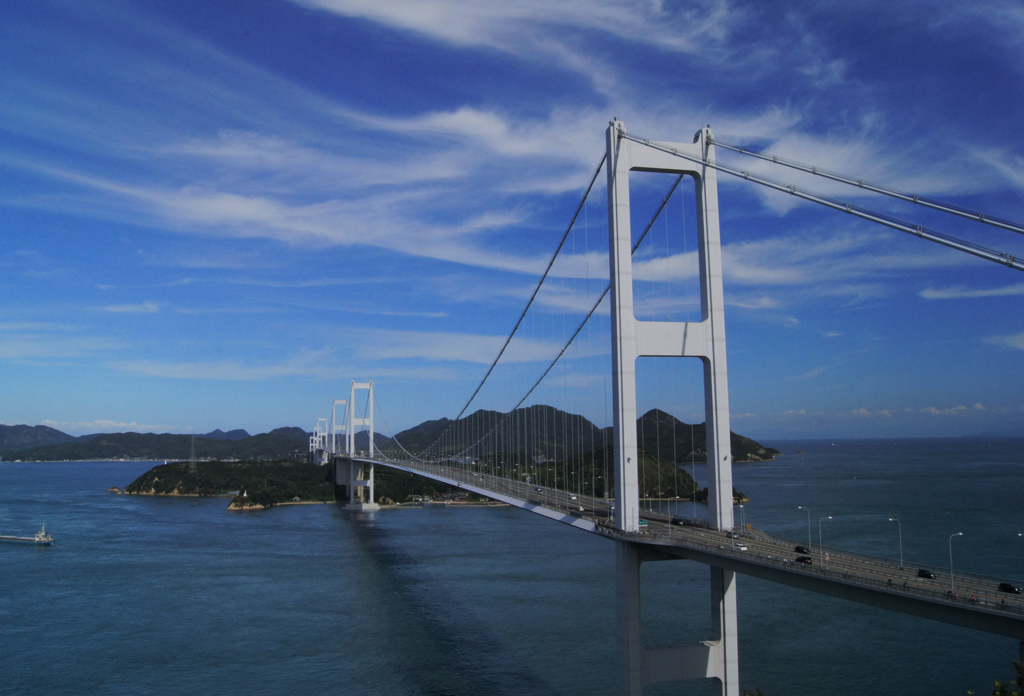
<point>192,457</point>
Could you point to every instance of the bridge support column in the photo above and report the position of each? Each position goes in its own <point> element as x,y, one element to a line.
<point>628,619</point>
<point>360,486</point>
<point>640,665</point>
<point>632,339</point>
<point>723,608</point>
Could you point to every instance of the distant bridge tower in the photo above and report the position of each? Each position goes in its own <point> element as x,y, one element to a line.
<point>358,473</point>
<point>631,339</point>
<point>335,428</point>
<point>318,445</point>
<point>192,457</point>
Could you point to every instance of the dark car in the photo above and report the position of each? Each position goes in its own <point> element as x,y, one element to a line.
<point>804,559</point>
<point>922,573</point>
<point>802,549</point>
<point>731,535</point>
<point>1007,587</point>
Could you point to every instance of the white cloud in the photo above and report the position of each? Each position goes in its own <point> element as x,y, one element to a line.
<point>812,373</point>
<point>108,426</point>
<point>320,365</point>
<point>954,411</point>
<point>961,292</point>
<point>33,347</point>
<point>385,345</point>
<point>517,26</point>
<point>8,326</point>
<point>142,308</point>
<point>1014,341</point>
<point>763,302</point>
<point>865,413</point>
<point>830,258</point>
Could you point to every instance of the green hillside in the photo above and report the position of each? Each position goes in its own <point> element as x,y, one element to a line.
<point>264,483</point>
<point>283,443</point>
<point>545,431</point>
<point>22,437</point>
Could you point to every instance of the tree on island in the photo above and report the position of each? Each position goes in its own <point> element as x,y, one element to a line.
<point>1014,689</point>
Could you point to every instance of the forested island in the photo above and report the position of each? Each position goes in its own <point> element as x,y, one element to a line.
<point>251,484</point>
<point>261,484</point>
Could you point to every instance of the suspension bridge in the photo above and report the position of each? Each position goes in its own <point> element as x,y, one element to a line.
<point>662,297</point>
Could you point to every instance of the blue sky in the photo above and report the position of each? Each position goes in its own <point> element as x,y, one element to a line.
<point>215,214</point>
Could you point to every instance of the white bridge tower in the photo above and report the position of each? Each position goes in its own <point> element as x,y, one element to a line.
<point>716,658</point>
<point>358,471</point>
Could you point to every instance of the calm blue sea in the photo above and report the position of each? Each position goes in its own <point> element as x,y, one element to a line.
<point>180,596</point>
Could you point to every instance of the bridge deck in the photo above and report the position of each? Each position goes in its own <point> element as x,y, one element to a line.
<point>975,603</point>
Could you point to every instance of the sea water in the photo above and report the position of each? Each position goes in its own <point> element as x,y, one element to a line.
<point>145,595</point>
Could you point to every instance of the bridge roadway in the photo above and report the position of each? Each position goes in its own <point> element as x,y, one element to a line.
<point>976,602</point>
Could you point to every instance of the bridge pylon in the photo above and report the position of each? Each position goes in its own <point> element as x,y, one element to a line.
<point>319,446</point>
<point>640,665</point>
<point>335,427</point>
<point>359,473</point>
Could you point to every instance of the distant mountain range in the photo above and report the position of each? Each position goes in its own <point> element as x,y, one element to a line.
<point>545,431</point>
<point>537,431</point>
<point>22,437</point>
<point>40,443</point>
<point>219,434</point>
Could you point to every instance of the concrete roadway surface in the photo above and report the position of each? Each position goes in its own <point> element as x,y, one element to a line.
<point>754,552</point>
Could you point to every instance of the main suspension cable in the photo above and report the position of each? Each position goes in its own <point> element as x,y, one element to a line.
<point>916,230</point>
<point>875,188</point>
<point>536,290</point>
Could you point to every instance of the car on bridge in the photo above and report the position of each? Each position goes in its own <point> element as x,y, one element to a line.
<point>922,573</point>
<point>804,559</point>
<point>802,549</point>
<point>1007,587</point>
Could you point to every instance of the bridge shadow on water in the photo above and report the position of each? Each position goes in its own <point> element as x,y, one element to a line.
<point>446,652</point>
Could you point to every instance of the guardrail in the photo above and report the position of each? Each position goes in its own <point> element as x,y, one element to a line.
<point>881,561</point>
<point>680,535</point>
<point>932,593</point>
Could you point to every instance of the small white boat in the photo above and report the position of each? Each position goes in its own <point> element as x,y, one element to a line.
<point>41,538</point>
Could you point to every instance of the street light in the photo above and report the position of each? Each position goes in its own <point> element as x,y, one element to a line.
<point>801,507</point>
<point>821,551</point>
<point>742,519</point>
<point>951,560</point>
<point>893,519</point>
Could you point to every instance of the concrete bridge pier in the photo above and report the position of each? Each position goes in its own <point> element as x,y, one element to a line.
<point>357,478</point>
<point>640,665</point>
